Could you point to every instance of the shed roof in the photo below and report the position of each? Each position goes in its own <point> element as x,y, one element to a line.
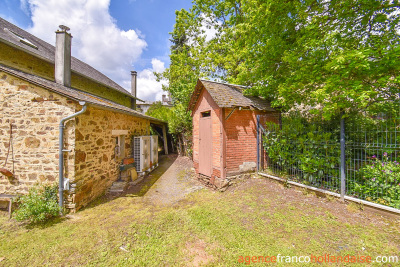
<point>228,96</point>
<point>76,94</point>
<point>41,49</point>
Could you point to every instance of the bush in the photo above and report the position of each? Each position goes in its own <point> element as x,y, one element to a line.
<point>304,150</point>
<point>39,205</point>
<point>381,181</point>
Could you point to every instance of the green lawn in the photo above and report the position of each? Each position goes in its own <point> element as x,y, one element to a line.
<point>258,217</point>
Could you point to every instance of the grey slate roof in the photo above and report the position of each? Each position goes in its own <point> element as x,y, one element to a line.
<point>228,96</point>
<point>46,52</point>
<point>74,93</point>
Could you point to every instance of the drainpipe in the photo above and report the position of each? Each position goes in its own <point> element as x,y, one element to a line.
<point>61,153</point>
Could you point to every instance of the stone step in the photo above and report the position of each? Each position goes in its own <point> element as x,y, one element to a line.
<point>118,187</point>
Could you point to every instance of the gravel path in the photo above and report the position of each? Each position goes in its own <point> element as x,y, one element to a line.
<point>170,182</point>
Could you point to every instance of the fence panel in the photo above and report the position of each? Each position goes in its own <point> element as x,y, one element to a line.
<point>372,159</point>
<point>307,150</point>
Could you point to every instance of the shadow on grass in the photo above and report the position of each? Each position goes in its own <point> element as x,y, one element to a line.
<point>43,225</point>
<point>140,189</point>
<point>12,224</point>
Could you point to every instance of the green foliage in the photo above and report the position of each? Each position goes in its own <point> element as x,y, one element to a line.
<point>303,150</point>
<point>178,118</point>
<point>184,69</point>
<point>307,149</point>
<point>159,111</point>
<point>338,54</point>
<point>39,205</point>
<point>380,181</point>
<point>179,124</point>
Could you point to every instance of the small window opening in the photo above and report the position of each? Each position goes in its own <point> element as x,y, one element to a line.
<point>120,146</point>
<point>22,39</point>
<point>206,114</point>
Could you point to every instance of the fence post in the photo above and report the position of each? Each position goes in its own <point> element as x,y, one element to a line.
<point>258,143</point>
<point>342,158</point>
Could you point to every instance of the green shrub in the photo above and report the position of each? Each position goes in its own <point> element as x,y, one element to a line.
<point>39,205</point>
<point>380,181</point>
<point>304,151</point>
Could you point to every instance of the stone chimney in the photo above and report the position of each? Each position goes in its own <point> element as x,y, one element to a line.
<point>62,67</point>
<point>164,99</point>
<point>133,82</point>
<point>133,88</point>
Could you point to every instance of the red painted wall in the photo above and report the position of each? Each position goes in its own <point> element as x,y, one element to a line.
<point>206,103</point>
<point>240,136</point>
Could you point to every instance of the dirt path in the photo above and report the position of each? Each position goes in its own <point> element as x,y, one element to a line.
<point>170,182</point>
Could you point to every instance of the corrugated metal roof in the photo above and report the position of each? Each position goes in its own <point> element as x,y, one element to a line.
<point>74,93</point>
<point>46,51</point>
<point>228,96</point>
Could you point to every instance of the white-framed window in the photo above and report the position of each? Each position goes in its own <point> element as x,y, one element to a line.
<point>119,143</point>
<point>120,146</point>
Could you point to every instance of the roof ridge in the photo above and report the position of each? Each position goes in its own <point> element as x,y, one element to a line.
<point>73,93</point>
<point>204,80</point>
<point>45,51</point>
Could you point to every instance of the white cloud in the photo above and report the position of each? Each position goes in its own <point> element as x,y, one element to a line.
<point>24,5</point>
<point>207,27</point>
<point>207,30</point>
<point>158,65</point>
<point>147,86</point>
<point>96,38</point>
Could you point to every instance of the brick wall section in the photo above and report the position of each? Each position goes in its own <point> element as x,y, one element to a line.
<point>241,134</point>
<point>240,138</point>
<point>23,61</point>
<point>206,103</point>
<point>95,162</point>
<point>35,133</point>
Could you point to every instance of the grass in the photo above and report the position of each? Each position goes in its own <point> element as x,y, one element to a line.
<point>208,227</point>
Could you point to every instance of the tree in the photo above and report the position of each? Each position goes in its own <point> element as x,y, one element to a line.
<point>338,55</point>
<point>179,124</point>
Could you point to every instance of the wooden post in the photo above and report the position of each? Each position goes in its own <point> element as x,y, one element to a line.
<point>10,208</point>
<point>164,132</point>
<point>258,142</point>
<point>223,144</point>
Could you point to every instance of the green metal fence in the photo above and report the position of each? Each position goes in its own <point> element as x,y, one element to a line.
<point>308,150</point>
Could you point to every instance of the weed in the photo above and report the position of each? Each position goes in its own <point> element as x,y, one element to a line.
<point>39,205</point>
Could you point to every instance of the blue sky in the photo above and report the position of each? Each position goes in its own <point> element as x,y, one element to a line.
<point>114,36</point>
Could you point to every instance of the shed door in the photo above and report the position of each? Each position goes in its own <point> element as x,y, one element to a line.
<point>205,146</point>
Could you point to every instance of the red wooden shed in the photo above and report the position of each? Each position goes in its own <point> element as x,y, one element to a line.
<point>225,130</point>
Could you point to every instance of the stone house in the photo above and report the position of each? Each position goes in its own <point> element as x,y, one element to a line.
<point>61,120</point>
<point>144,106</point>
<point>225,130</point>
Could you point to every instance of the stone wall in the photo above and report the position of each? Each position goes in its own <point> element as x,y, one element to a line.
<point>35,114</point>
<point>96,166</point>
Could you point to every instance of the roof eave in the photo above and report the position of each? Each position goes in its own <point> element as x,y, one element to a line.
<point>151,119</point>
<point>73,71</point>
<point>193,97</point>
